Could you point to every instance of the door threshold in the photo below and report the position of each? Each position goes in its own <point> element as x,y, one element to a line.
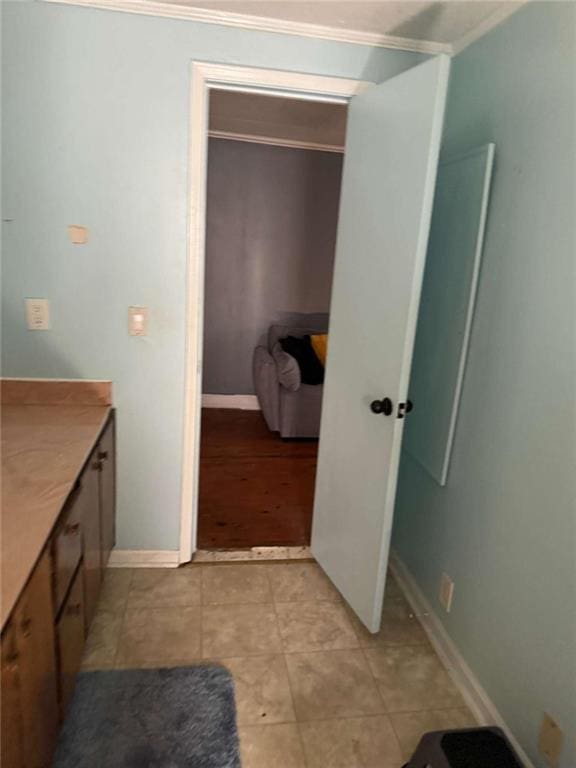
<point>251,555</point>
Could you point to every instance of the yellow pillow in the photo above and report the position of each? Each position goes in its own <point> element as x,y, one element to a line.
<point>319,345</point>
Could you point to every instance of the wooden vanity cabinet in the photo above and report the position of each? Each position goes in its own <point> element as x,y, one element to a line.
<point>92,535</point>
<point>106,456</point>
<point>67,546</point>
<point>98,491</point>
<point>70,634</point>
<point>43,638</point>
<point>11,744</point>
<point>30,672</point>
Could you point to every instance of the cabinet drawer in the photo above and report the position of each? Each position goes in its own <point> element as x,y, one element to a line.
<point>70,639</point>
<point>67,548</point>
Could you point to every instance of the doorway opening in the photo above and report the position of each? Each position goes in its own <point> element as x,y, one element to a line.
<point>274,168</point>
<point>393,136</point>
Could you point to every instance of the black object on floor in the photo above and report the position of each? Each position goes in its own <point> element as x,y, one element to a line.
<point>469,748</point>
<point>183,717</point>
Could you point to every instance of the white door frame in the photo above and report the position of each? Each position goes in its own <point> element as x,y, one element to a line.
<point>205,76</point>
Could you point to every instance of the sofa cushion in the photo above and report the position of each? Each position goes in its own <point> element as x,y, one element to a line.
<point>320,346</point>
<point>287,368</point>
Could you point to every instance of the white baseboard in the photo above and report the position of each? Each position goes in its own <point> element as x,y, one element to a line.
<point>242,402</point>
<point>144,558</point>
<point>478,701</point>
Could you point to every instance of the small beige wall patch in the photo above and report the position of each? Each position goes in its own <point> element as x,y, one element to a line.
<point>77,234</point>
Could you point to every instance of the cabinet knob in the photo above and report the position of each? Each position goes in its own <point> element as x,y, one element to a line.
<point>71,529</point>
<point>98,465</point>
<point>103,455</point>
<point>383,406</point>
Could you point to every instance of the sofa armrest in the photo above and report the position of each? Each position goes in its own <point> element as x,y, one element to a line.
<point>267,386</point>
<point>287,369</point>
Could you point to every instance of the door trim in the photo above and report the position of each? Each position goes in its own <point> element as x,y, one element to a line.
<point>143,558</point>
<point>239,402</point>
<point>204,77</point>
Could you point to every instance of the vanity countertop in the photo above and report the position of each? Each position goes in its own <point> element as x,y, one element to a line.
<point>44,448</point>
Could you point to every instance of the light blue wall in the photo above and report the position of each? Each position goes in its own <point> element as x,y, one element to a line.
<point>504,527</point>
<point>95,110</point>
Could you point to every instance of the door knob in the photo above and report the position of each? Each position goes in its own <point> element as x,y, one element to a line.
<point>382,406</point>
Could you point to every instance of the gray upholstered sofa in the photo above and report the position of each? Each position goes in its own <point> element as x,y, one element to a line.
<point>288,406</point>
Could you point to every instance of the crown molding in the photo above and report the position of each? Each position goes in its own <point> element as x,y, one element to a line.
<point>493,20</point>
<point>261,24</point>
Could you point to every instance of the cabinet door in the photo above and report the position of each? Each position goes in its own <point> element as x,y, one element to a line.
<point>11,746</point>
<point>70,633</point>
<point>107,458</point>
<point>67,547</point>
<point>90,492</point>
<point>34,629</point>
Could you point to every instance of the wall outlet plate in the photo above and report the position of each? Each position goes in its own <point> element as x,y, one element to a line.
<point>446,592</point>
<point>38,314</point>
<point>550,741</point>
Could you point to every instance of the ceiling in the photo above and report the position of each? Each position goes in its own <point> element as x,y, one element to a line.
<point>410,24</point>
<point>441,22</point>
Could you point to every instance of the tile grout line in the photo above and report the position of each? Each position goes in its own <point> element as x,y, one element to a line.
<point>273,603</point>
<point>395,732</point>
<point>381,696</point>
<point>123,619</point>
<point>285,663</point>
<point>202,571</point>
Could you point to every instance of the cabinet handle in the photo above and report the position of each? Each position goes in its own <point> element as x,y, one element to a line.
<point>71,529</point>
<point>98,465</point>
<point>103,455</point>
<point>25,626</point>
<point>74,609</point>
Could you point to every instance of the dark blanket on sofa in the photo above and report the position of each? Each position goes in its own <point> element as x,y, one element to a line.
<point>301,349</point>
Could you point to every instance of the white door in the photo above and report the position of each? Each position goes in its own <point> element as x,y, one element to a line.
<point>392,145</point>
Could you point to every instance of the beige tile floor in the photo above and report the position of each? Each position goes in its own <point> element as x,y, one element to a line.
<point>314,689</point>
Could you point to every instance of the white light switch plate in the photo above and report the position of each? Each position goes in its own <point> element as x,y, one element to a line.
<point>38,314</point>
<point>137,321</point>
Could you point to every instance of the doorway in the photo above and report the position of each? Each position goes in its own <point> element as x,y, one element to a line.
<point>393,139</point>
<point>206,78</point>
<point>273,186</point>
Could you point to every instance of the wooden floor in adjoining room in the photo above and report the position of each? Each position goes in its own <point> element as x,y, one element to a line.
<point>255,488</point>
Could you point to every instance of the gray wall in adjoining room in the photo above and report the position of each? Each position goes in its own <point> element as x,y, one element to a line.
<point>270,239</point>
